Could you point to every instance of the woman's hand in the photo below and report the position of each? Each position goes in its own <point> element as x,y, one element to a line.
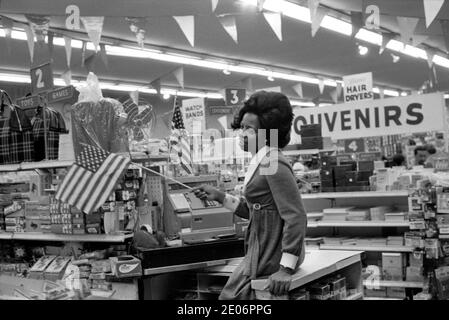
<point>280,282</point>
<point>206,192</point>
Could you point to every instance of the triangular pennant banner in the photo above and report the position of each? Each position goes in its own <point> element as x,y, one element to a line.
<point>134,95</point>
<point>431,9</point>
<point>274,19</point>
<point>356,21</point>
<point>39,25</point>
<point>313,6</point>
<point>104,56</point>
<point>430,56</point>
<point>229,24</point>
<point>407,27</point>
<point>386,37</point>
<point>260,4</point>
<point>51,46</point>
<point>179,75</point>
<point>156,84</point>
<point>68,49</point>
<point>445,27</point>
<point>94,28</point>
<point>248,84</point>
<point>381,93</point>
<point>298,89</point>
<point>433,79</point>
<point>316,101</point>
<point>214,4</point>
<point>321,85</point>
<point>223,120</point>
<point>30,40</point>
<point>187,25</point>
<point>334,95</point>
<point>417,39</point>
<point>83,53</point>
<point>317,19</point>
<point>67,77</point>
<point>89,63</point>
<point>339,89</point>
<point>8,24</point>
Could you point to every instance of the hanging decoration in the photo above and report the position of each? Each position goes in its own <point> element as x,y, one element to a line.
<point>431,9</point>
<point>430,55</point>
<point>407,28</point>
<point>67,77</point>
<point>321,85</point>
<point>386,37</point>
<point>417,39</point>
<point>317,19</point>
<point>89,63</point>
<point>156,84</point>
<point>298,89</point>
<point>229,24</point>
<point>30,40</point>
<point>103,55</point>
<point>137,26</point>
<point>7,24</point>
<point>187,25</point>
<point>339,89</point>
<point>356,21</point>
<point>274,19</point>
<point>381,93</point>
<point>94,28</point>
<point>334,95</point>
<point>214,4</point>
<point>39,26</point>
<point>51,46</point>
<point>445,28</point>
<point>134,95</point>
<point>179,75</point>
<point>83,53</point>
<point>68,49</point>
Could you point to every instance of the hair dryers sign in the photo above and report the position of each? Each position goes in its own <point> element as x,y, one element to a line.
<point>358,87</point>
<point>415,113</point>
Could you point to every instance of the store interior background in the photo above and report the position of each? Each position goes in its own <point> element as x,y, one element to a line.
<point>329,55</point>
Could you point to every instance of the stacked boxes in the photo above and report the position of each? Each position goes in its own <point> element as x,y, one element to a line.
<point>97,277</point>
<point>78,222</point>
<point>337,288</point>
<point>38,218</point>
<point>55,271</point>
<point>311,137</point>
<point>93,222</point>
<point>15,217</point>
<point>38,269</point>
<point>393,266</point>
<point>61,217</point>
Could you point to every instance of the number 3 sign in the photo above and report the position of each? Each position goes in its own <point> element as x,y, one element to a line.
<point>235,96</point>
<point>41,78</point>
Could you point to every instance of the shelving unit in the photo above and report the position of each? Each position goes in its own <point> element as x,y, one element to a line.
<point>393,284</point>
<point>358,224</point>
<point>34,236</point>
<point>356,296</point>
<point>35,165</point>
<point>355,194</point>
<point>368,248</point>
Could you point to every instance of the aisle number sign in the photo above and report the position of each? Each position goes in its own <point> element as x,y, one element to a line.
<point>372,118</point>
<point>354,145</point>
<point>194,115</point>
<point>358,87</point>
<point>235,96</point>
<point>41,78</point>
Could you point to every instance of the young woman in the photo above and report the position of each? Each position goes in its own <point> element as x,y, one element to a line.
<point>272,202</point>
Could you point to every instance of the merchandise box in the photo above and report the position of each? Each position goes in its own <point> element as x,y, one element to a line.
<point>319,291</point>
<point>36,225</point>
<point>414,274</point>
<point>396,293</point>
<point>55,271</point>
<point>393,260</point>
<point>126,266</point>
<point>378,293</point>
<point>37,270</point>
<point>416,259</point>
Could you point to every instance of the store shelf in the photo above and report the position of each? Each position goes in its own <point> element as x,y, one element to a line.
<point>355,194</point>
<point>305,151</point>
<point>356,296</point>
<point>380,298</point>
<point>362,223</point>
<point>36,165</point>
<point>141,156</point>
<point>393,284</point>
<point>368,248</point>
<point>65,237</point>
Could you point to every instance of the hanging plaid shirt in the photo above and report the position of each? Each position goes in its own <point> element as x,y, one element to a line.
<point>55,126</point>
<point>16,142</point>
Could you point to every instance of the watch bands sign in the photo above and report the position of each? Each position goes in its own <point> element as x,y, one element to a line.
<point>369,118</point>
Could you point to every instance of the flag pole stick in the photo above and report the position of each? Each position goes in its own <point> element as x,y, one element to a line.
<point>160,174</point>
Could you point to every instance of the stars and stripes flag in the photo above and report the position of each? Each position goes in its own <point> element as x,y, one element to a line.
<point>179,142</point>
<point>91,179</point>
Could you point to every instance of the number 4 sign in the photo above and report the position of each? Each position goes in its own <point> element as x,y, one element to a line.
<point>354,145</point>
<point>235,96</point>
<point>41,78</point>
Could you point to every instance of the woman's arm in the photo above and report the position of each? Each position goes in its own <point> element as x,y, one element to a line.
<point>291,209</point>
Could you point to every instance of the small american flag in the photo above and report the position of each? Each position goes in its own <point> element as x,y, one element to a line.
<point>179,140</point>
<point>91,179</point>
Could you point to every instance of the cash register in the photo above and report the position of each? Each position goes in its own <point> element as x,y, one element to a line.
<point>195,220</point>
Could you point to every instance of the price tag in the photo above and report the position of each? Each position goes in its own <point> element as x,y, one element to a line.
<point>41,78</point>
<point>354,145</point>
<point>235,96</point>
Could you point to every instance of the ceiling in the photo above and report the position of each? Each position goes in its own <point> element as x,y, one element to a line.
<point>328,53</point>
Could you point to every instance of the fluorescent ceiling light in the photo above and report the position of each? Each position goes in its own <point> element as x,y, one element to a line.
<point>16,78</point>
<point>391,93</point>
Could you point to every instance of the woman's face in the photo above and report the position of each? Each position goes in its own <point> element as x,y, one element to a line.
<point>248,132</point>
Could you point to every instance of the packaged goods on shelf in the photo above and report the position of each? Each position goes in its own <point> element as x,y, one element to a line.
<point>395,241</point>
<point>358,214</point>
<point>396,292</point>
<point>378,213</point>
<point>37,270</point>
<point>336,214</point>
<point>414,274</point>
<point>393,266</point>
<point>395,216</point>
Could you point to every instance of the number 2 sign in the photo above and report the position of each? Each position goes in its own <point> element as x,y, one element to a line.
<point>235,96</point>
<point>41,78</point>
